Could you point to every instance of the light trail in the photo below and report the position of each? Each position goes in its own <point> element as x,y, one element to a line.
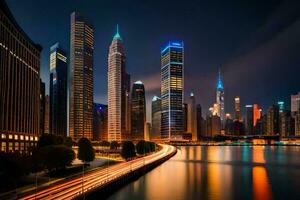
<point>98,178</point>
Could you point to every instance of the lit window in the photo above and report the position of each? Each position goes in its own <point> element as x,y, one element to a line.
<point>10,136</point>
<point>31,138</point>
<point>3,136</point>
<point>26,138</point>
<point>21,137</point>
<point>16,137</point>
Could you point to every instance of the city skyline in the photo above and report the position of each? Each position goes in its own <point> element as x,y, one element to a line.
<point>209,63</point>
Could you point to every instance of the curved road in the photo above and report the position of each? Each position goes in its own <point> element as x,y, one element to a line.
<point>98,178</point>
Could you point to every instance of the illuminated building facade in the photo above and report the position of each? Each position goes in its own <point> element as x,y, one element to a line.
<point>156,118</point>
<point>237,108</point>
<point>249,119</point>
<point>19,86</point>
<point>138,111</point>
<point>42,106</point>
<point>100,122</point>
<point>172,66</point>
<point>273,120</point>
<point>256,114</point>
<point>47,114</point>
<point>118,91</point>
<point>295,102</point>
<point>58,91</point>
<point>81,78</point>
<point>192,124</point>
<point>286,124</point>
<point>281,106</point>
<point>220,99</point>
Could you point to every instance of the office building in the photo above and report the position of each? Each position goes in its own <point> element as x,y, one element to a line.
<point>172,66</point>
<point>220,99</point>
<point>42,106</point>
<point>19,85</point>
<point>281,106</point>
<point>138,111</point>
<point>47,114</point>
<point>199,122</point>
<point>297,123</point>
<point>237,108</point>
<point>118,91</point>
<point>100,122</point>
<point>58,91</point>
<point>256,114</point>
<point>295,102</point>
<point>185,117</point>
<point>286,124</point>
<point>192,123</point>
<point>156,118</point>
<point>273,120</point>
<point>249,119</point>
<point>81,78</point>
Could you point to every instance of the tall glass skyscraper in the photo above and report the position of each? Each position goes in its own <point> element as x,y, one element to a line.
<point>58,91</point>
<point>118,91</point>
<point>19,86</point>
<point>81,78</point>
<point>172,65</point>
<point>138,111</point>
<point>155,118</point>
<point>220,99</point>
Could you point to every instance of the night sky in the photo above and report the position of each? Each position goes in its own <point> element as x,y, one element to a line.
<point>256,45</point>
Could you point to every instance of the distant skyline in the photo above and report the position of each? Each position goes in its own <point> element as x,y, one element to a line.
<point>255,44</point>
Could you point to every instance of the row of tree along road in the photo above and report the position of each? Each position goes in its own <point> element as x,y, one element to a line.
<point>54,154</point>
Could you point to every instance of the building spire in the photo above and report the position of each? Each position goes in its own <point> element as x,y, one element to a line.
<point>220,83</point>
<point>117,35</point>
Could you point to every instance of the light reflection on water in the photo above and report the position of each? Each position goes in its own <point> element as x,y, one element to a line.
<point>221,172</point>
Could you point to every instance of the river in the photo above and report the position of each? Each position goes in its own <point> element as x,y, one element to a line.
<point>221,172</point>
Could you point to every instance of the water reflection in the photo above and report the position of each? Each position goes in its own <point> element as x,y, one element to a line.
<point>221,173</point>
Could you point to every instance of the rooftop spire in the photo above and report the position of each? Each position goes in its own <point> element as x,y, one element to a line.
<point>117,35</point>
<point>220,83</point>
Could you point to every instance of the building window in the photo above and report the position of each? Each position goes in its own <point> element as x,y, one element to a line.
<point>3,136</point>
<point>10,137</point>
<point>3,146</point>
<point>21,137</point>
<point>27,138</point>
<point>16,137</point>
<point>16,146</point>
<point>31,138</point>
<point>36,138</point>
<point>10,146</point>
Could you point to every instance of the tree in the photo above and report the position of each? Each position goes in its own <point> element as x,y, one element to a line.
<point>128,150</point>
<point>114,145</point>
<point>69,142</point>
<point>86,152</point>
<point>55,157</point>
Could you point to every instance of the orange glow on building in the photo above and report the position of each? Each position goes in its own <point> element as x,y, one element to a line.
<point>256,114</point>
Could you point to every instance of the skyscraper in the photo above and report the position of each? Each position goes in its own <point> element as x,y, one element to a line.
<point>220,99</point>
<point>100,122</point>
<point>295,102</point>
<point>172,66</point>
<point>249,119</point>
<point>81,78</point>
<point>199,121</point>
<point>256,114</point>
<point>138,111</point>
<point>58,91</point>
<point>237,108</point>
<point>273,120</point>
<point>118,90</point>
<point>281,106</point>
<point>192,124</point>
<point>42,106</point>
<point>47,114</point>
<point>185,117</point>
<point>19,85</point>
<point>156,118</point>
